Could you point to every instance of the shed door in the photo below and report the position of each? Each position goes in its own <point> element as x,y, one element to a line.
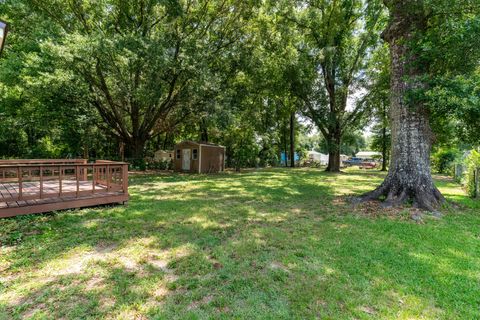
<point>186,156</point>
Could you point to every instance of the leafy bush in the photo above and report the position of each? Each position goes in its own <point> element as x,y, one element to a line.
<point>149,164</point>
<point>152,164</point>
<point>473,163</point>
<point>443,160</point>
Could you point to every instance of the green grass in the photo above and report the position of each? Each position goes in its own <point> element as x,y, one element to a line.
<point>272,244</point>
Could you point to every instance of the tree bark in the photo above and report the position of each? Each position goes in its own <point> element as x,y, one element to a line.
<point>409,177</point>
<point>384,149</point>
<point>203,131</point>
<point>334,142</point>
<point>85,151</point>
<point>292,140</point>
<point>136,148</point>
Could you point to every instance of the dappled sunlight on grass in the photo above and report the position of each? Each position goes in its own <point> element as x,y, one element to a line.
<point>277,243</point>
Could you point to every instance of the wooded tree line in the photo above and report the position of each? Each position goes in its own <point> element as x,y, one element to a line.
<point>83,78</point>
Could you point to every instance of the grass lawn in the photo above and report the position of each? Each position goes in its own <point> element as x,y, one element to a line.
<point>272,244</point>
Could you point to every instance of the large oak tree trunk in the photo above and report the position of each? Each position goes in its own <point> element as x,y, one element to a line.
<point>384,148</point>
<point>334,143</point>
<point>409,177</point>
<point>136,148</point>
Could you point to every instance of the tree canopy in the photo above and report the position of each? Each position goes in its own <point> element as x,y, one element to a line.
<point>85,78</point>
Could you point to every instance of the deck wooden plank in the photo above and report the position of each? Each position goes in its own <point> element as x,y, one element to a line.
<point>78,203</point>
<point>12,204</point>
<point>77,189</point>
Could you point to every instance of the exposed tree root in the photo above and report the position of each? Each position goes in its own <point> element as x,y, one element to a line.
<point>420,192</point>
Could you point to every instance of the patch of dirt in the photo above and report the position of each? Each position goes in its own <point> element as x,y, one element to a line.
<point>374,209</point>
<point>162,265</point>
<point>278,266</point>
<point>105,247</point>
<point>31,311</point>
<point>368,310</point>
<point>129,264</point>
<point>160,292</point>
<point>215,263</point>
<point>94,283</point>
<point>223,309</point>
<point>129,314</point>
<point>77,263</point>
<point>203,301</point>
<point>107,302</point>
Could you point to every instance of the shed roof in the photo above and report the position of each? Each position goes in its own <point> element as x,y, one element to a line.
<point>366,154</point>
<point>201,143</point>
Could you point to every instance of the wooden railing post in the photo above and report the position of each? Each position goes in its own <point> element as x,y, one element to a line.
<point>85,170</point>
<point>77,178</point>
<point>108,177</point>
<point>125,178</point>
<point>93,178</point>
<point>60,182</point>
<point>41,182</point>
<point>20,183</point>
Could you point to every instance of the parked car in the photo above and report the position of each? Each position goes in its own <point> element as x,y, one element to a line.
<point>368,164</point>
<point>352,162</point>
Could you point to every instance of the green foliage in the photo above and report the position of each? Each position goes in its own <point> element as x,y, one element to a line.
<point>443,159</point>
<point>242,151</point>
<point>472,165</point>
<point>334,42</point>
<point>455,105</point>
<point>152,164</point>
<point>77,78</point>
<point>446,50</point>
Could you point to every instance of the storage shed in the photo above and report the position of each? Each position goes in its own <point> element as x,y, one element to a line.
<point>199,157</point>
<point>318,157</point>
<point>162,155</point>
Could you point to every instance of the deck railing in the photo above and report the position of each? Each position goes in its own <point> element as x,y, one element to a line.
<point>25,180</point>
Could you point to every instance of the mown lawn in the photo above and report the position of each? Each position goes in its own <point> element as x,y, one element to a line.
<point>272,244</point>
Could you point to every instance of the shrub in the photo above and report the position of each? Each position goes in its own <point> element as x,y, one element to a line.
<point>153,164</point>
<point>443,159</point>
<point>472,164</point>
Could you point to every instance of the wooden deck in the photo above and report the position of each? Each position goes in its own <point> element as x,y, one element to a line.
<point>36,186</point>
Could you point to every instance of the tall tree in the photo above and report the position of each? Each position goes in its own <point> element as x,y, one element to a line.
<point>336,40</point>
<point>142,59</point>
<point>378,102</point>
<point>421,50</point>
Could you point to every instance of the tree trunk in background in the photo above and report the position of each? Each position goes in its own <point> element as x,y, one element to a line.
<point>409,177</point>
<point>121,150</point>
<point>384,149</point>
<point>286,145</point>
<point>136,148</point>
<point>292,140</point>
<point>334,142</point>
<point>85,151</point>
<point>203,131</point>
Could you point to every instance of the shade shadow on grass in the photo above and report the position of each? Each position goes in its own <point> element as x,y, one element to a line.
<point>266,244</point>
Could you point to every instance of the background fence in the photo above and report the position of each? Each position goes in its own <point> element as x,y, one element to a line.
<point>469,177</point>
<point>476,179</point>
